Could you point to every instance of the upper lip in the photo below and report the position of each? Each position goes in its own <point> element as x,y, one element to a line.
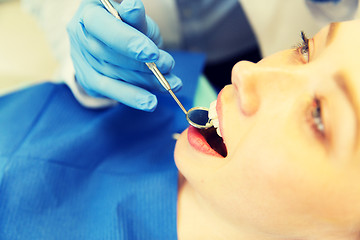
<point>219,113</point>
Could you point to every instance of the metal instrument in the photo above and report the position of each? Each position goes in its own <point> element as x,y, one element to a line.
<point>197,116</point>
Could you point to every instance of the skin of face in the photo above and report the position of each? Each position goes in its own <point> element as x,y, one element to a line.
<point>283,177</point>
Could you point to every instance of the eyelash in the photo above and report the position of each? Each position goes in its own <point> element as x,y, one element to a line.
<point>316,117</point>
<point>316,122</point>
<point>303,48</point>
<point>316,108</point>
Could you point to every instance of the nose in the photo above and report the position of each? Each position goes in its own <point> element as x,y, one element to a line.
<point>243,79</point>
<point>257,82</point>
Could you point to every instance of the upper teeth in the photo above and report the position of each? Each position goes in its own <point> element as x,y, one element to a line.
<point>214,117</point>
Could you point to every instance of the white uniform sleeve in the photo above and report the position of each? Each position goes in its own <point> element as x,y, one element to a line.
<point>53,16</point>
<point>165,14</point>
<point>277,23</point>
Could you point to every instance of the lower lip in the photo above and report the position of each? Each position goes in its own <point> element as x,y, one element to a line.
<point>198,142</point>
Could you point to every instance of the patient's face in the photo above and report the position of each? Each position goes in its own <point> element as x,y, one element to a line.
<point>291,127</point>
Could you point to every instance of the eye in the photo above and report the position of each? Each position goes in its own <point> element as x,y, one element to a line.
<point>316,118</point>
<point>303,48</point>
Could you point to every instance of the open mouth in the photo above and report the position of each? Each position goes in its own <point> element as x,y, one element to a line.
<point>214,140</point>
<point>208,141</point>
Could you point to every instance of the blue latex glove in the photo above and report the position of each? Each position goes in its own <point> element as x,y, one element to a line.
<point>109,55</point>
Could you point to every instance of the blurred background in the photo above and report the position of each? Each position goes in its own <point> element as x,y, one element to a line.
<point>25,55</point>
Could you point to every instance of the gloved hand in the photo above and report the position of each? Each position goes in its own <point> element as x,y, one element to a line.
<point>109,55</point>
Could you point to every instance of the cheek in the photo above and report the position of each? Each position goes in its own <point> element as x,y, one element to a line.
<point>280,180</point>
<point>272,177</point>
<point>269,172</point>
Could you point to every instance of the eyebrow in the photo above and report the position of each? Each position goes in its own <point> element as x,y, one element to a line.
<point>331,32</point>
<point>342,81</point>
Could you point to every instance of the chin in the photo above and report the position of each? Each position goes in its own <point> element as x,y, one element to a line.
<point>194,162</point>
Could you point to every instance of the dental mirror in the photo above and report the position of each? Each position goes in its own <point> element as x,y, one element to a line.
<point>198,117</point>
